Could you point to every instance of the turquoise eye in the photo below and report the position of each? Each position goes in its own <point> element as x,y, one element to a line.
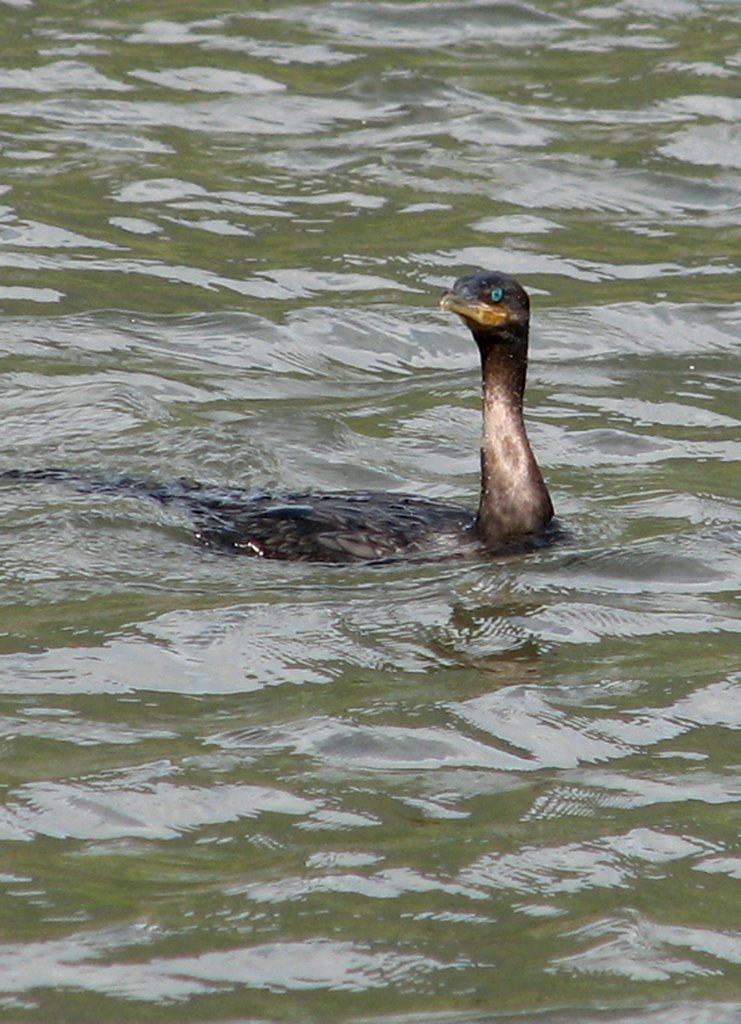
<point>496,294</point>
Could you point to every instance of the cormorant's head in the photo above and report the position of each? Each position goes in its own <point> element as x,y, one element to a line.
<point>489,303</point>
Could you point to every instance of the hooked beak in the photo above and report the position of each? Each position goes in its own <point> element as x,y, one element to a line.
<point>486,314</point>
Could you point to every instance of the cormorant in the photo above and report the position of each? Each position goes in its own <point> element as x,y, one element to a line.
<point>514,505</point>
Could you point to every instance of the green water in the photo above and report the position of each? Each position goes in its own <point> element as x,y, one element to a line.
<point>457,791</point>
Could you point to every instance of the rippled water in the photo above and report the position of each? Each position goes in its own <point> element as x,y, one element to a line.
<point>248,791</point>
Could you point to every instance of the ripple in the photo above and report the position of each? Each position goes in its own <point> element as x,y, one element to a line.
<point>633,946</point>
<point>707,146</point>
<point>382,885</point>
<point>202,34</point>
<point>209,79</point>
<point>548,734</point>
<point>392,747</point>
<point>297,115</point>
<point>432,24</point>
<point>60,76</point>
<point>322,964</point>
<point>143,807</point>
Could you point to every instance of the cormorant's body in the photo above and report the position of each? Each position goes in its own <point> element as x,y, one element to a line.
<point>339,526</point>
<point>514,506</point>
<point>343,527</point>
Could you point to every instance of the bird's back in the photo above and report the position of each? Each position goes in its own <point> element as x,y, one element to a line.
<point>331,527</point>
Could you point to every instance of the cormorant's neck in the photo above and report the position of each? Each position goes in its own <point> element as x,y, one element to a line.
<point>514,499</point>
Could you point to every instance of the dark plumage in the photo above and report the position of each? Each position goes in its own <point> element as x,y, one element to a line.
<point>514,506</point>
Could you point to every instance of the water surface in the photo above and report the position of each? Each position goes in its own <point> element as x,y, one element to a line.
<point>455,791</point>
